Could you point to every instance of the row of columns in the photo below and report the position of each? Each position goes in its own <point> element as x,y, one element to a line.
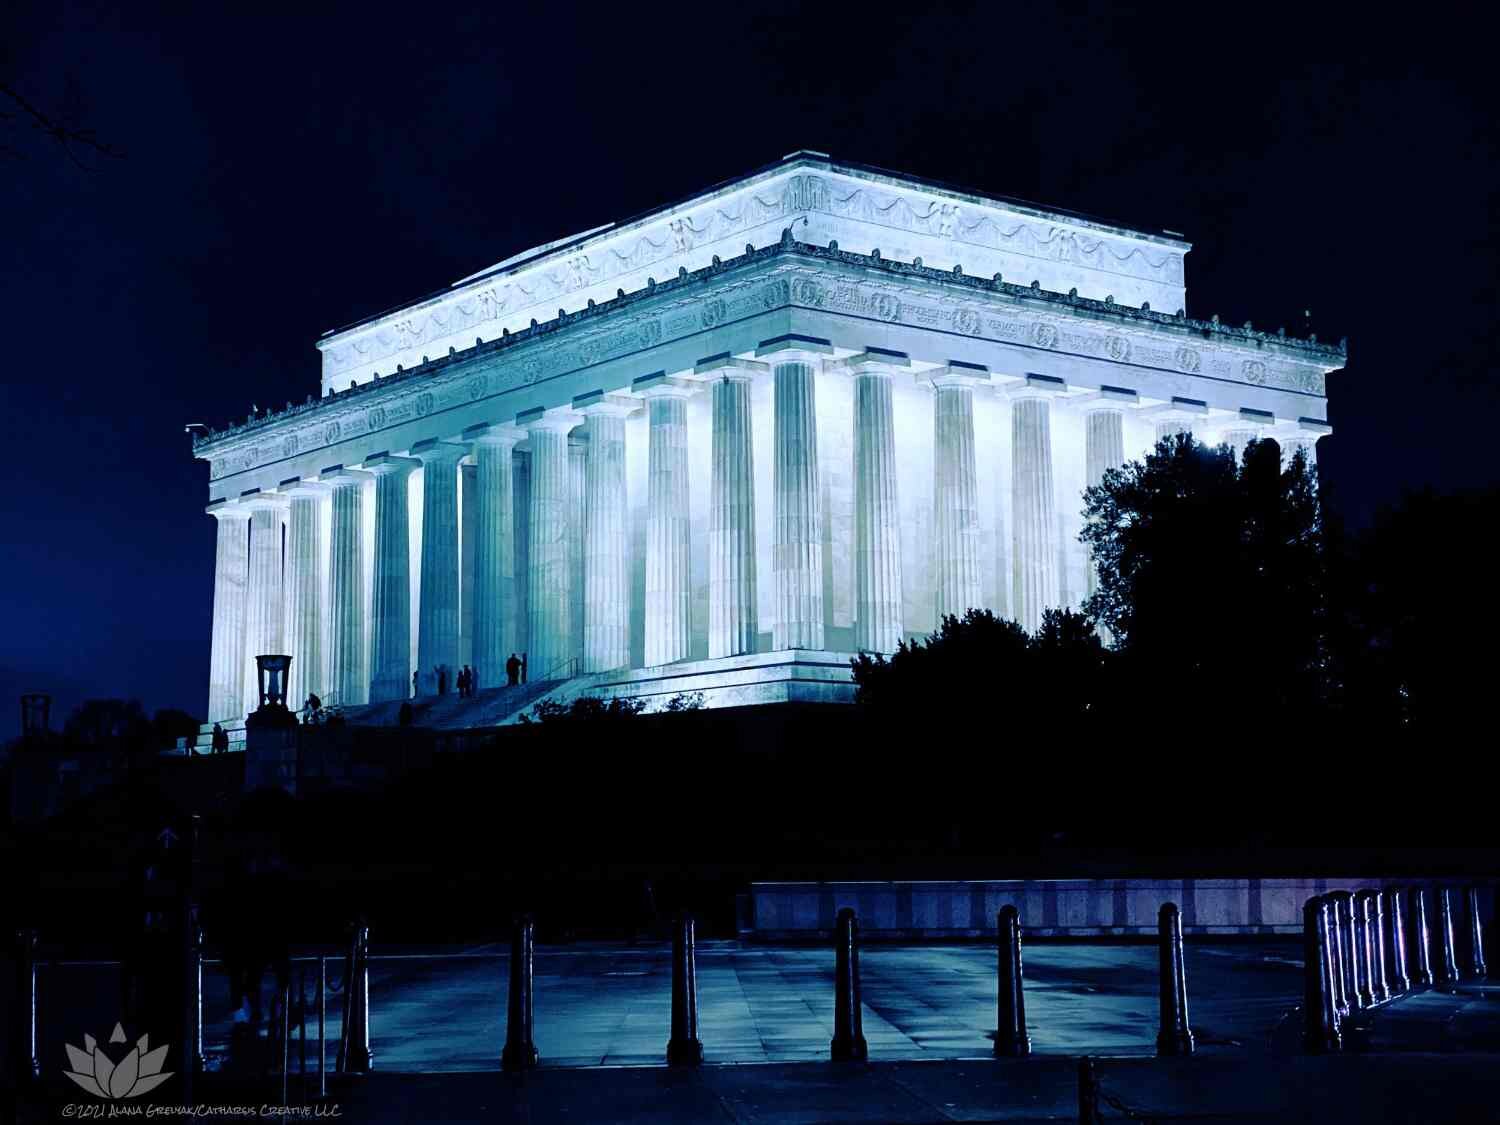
<point>573,547</point>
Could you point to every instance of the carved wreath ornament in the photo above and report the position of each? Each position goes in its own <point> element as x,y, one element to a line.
<point>138,1072</point>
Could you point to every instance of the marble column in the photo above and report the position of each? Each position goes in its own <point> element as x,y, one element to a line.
<point>578,470</point>
<point>390,598</point>
<point>1034,524</point>
<point>348,663</point>
<point>494,551</point>
<point>549,581</point>
<point>877,515</point>
<point>1103,449</point>
<point>797,549</point>
<point>226,667</point>
<point>955,504</point>
<point>437,623</point>
<point>468,520</point>
<point>1307,444</point>
<point>1237,439</point>
<point>1172,425</point>
<point>303,620</point>
<point>606,563</point>
<point>669,591</point>
<point>263,604</point>
<point>733,615</point>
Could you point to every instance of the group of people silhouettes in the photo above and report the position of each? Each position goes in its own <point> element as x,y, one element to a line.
<point>467,680</point>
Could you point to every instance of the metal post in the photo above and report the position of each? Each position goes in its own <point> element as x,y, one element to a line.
<point>1011,1038</point>
<point>848,1021</point>
<point>1419,941</point>
<point>1447,966</point>
<point>302,1029</point>
<point>1477,969</point>
<point>1336,951</point>
<point>1361,938</point>
<point>1174,1036</point>
<point>1321,1027</point>
<point>285,1028</point>
<point>1395,942</point>
<point>23,1028</point>
<point>520,1051</point>
<point>322,1026</point>
<point>1343,908</point>
<point>684,1048</point>
<point>357,1003</point>
<point>1088,1093</point>
<point>1378,985</point>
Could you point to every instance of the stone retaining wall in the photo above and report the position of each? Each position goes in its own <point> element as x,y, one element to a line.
<point>1051,907</point>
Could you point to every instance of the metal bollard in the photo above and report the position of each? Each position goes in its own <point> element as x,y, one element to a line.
<point>1174,1036</point>
<point>1446,972</point>
<point>1365,997</point>
<point>1418,941</point>
<point>1321,1019</point>
<point>359,1059</point>
<point>1011,1039</point>
<point>1379,987</point>
<point>684,1048</point>
<point>1477,970</point>
<point>1088,1093</point>
<point>1395,941</point>
<point>520,1051</point>
<point>1336,944</point>
<point>1343,910</point>
<point>26,1067</point>
<point>848,1021</point>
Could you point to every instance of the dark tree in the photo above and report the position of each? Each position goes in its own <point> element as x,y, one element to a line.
<point>1212,577</point>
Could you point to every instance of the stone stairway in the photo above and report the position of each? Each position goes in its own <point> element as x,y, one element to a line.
<point>490,707</point>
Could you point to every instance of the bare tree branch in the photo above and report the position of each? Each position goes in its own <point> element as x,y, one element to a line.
<point>65,135</point>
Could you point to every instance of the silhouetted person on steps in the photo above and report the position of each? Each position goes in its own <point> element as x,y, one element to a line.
<point>219,741</point>
<point>513,670</point>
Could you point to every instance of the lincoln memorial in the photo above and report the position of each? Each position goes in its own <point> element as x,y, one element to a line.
<point>721,447</point>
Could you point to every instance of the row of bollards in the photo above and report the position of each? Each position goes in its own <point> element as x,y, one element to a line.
<point>1365,948</point>
<point>1012,1039</point>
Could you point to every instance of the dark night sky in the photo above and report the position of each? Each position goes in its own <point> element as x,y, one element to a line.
<point>287,175</point>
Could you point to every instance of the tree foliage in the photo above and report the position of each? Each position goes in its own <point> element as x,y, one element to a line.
<point>1212,576</point>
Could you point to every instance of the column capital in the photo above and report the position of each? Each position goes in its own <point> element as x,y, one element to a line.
<point>382,464</point>
<point>1108,398</point>
<point>612,404</point>
<point>438,450</point>
<point>661,385</point>
<point>873,361</point>
<point>297,486</point>
<point>256,500</point>
<point>956,373</point>
<point>542,419</point>
<point>335,475</point>
<point>726,365</point>
<point>222,509</point>
<point>495,433</point>
<point>1177,408</point>
<point>1038,386</point>
<point>795,348</point>
<point>1314,427</point>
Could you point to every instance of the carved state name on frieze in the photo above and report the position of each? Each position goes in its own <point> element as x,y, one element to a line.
<point>971,224</point>
<point>565,352</point>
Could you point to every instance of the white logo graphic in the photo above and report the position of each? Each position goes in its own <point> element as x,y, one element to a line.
<point>139,1072</point>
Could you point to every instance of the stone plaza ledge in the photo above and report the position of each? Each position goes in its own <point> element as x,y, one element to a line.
<point>1063,908</point>
<point>757,679</point>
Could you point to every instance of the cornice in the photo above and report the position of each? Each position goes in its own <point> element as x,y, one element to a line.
<point>782,194</point>
<point>787,274</point>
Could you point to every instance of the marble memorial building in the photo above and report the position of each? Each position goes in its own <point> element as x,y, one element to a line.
<point>722,446</point>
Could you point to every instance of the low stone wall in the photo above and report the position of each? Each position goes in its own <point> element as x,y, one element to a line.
<point>1048,907</point>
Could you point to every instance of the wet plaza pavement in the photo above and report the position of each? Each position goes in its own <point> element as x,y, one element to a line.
<point>610,1005</point>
